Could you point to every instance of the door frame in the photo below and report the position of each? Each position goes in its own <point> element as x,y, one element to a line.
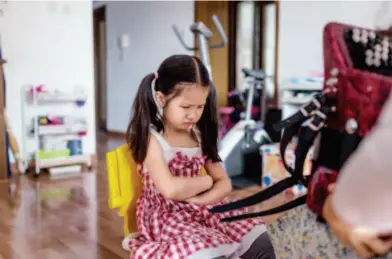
<point>3,133</point>
<point>99,15</point>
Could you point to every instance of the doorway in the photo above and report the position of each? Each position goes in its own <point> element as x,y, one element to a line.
<point>99,31</point>
<point>252,41</point>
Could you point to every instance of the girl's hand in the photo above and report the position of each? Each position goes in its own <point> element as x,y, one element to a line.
<point>198,199</point>
<point>364,242</point>
<point>220,187</point>
<point>215,194</point>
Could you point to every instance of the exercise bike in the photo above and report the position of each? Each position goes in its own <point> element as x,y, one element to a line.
<point>235,111</point>
<point>239,148</point>
<point>203,34</point>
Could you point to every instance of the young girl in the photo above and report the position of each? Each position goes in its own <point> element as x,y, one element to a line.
<point>173,134</point>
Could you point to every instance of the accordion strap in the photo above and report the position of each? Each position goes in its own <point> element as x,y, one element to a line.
<point>306,139</point>
<point>317,112</point>
<point>287,206</point>
<point>292,126</point>
<point>256,198</point>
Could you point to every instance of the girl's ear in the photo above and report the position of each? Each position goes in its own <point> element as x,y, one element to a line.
<point>160,97</point>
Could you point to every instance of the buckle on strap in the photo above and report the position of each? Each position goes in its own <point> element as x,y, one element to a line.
<point>305,111</point>
<point>316,125</point>
<point>319,118</point>
<point>315,104</point>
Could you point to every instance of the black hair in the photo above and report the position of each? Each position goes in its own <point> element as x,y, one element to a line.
<point>174,70</point>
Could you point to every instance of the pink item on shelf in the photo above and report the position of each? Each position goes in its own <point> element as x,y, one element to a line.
<point>55,120</point>
<point>363,194</point>
<point>37,89</point>
<point>82,133</point>
<point>225,110</point>
<point>231,93</point>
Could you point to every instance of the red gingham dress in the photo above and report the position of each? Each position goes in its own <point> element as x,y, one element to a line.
<point>174,230</point>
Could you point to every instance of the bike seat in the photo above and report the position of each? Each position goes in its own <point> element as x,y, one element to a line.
<point>255,73</point>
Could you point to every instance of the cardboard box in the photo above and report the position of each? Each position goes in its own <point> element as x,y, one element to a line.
<point>274,170</point>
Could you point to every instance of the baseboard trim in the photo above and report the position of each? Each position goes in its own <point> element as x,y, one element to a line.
<point>116,133</point>
<point>93,159</point>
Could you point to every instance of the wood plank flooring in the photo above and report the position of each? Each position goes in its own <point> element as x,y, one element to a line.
<point>70,218</point>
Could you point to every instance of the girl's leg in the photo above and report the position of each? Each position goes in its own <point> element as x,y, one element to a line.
<point>260,249</point>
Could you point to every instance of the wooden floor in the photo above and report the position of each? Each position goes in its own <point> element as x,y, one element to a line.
<point>50,219</point>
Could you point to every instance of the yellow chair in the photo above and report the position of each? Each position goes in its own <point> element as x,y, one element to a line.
<point>125,185</point>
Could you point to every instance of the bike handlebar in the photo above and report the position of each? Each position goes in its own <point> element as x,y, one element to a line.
<point>219,28</point>
<point>221,32</point>
<point>182,41</point>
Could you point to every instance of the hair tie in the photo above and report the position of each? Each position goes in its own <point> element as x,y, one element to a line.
<point>153,92</point>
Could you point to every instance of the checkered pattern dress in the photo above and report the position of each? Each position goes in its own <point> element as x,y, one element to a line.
<point>174,230</point>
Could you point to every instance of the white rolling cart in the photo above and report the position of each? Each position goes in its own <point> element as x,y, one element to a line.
<point>296,92</point>
<point>54,126</point>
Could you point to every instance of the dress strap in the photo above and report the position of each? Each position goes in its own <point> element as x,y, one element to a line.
<point>196,133</point>
<point>160,138</point>
<point>164,142</point>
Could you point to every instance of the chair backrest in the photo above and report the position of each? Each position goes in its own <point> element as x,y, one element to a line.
<point>125,186</point>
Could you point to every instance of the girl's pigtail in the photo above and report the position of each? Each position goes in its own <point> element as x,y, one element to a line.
<point>144,113</point>
<point>208,127</point>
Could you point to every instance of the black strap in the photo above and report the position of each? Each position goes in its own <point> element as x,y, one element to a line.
<point>306,139</point>
<point>348,146</point>
<point>287,206</point>
<point>295,178</point>
<point>292,129</point>
<point>287,136</point>
<point>256,198</point>
<point>304,112</point>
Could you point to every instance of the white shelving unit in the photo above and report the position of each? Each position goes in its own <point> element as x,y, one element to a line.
<point>41,141</point>
<point>297,92</point>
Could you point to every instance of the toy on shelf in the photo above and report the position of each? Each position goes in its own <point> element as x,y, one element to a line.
<point>55,125</point>
<point>41,95</point>
<point>56,131</point>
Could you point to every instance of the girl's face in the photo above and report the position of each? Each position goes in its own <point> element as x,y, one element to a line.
<point>185,109</point>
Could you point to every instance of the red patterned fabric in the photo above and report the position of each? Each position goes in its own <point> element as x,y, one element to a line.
<point>360,94</point>
<point>357,94</point>
<point>173,229</point>
<point>318,188</point>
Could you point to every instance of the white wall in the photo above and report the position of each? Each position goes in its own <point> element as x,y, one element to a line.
<point>48,43</point>
<point>301,26</point>
<point>149,25</point>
